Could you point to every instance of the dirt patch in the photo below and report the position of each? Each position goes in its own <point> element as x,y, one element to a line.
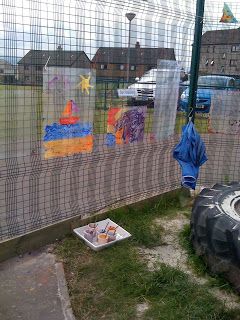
<point>141,308</point>
<point>170,252</point>
<point>173,254</point>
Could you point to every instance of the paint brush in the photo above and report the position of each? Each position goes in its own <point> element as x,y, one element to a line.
<point>115,230</point>
<point>106,226</point>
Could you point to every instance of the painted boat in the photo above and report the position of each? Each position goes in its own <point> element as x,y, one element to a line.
<point>67,115</point>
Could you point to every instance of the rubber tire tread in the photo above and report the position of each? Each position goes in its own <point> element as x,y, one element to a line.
<point>214,234</point>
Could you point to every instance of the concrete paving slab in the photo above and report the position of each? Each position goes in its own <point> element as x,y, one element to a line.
<point>33,287</point>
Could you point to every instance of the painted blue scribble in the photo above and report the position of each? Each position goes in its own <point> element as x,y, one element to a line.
<point>110,140</point>
<point>57,131</point>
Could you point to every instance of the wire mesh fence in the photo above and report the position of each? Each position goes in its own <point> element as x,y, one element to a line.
<point>93,97</point>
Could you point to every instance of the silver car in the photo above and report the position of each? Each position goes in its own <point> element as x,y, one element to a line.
<point>145,88</point>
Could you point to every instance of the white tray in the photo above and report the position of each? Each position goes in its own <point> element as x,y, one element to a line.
<point>121,234</point>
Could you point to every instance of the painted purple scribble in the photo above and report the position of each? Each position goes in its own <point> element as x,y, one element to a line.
<point>132,122</point>
<point>51,82</point>
<point>74,107</point>
<point>58,82</point>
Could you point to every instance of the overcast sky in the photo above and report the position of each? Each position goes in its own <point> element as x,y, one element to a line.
<point>87,25</point>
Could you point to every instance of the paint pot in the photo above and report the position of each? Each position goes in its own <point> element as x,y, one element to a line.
<point>111,236</point>
<point>102,238</point>
<point>92,228</point>
<point>111,233</point>
<point>100,231</point>
<point>111,228</point>
<point>89,235</point>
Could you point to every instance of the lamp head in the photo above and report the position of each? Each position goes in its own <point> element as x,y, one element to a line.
<point>130,16</point>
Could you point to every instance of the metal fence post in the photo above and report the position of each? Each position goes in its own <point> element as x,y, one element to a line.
<point>195,59</point>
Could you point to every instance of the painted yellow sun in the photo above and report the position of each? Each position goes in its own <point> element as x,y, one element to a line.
<point>84,84</point>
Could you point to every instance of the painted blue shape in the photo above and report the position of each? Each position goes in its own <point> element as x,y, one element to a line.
<point>58,131</point>
<point>110,140</point>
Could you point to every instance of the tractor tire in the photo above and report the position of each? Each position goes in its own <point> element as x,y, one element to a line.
<point>215,230</point>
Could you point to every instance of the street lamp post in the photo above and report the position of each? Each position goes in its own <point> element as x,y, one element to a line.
<point>130,16</point>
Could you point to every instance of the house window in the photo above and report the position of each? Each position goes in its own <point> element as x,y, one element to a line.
<point>1,71</point>
<point>103,66</point>
<point>206,62</point>
<point>39,79</point>
<point>210,49</point>
<point>26,78</point>
<point>26,67</point>
<point>212,63</point>
<point>132,68</point>
<point>121,67</point>
<point>235,48</point>
<point>39,68</point>
<point>233,63</point>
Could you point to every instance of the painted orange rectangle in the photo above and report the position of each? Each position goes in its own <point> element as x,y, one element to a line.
<point>67,147</point>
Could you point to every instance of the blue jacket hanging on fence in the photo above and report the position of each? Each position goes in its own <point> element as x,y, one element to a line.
<point>190,153</point>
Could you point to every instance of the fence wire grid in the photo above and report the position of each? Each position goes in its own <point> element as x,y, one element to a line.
<point>93,96</point>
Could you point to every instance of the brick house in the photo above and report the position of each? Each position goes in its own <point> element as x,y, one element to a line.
<point>220,52</point>
<point>7,72</point>
<point>111,62</point>
<point>30,67</point>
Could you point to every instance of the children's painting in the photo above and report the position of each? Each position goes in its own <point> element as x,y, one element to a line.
<point>224,114</point>
<point>125,125</point>
<point>68,109</point>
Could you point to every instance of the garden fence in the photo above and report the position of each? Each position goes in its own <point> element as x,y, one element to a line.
<point>79,132</point>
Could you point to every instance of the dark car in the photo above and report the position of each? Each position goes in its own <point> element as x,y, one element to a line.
<point>206,86</point>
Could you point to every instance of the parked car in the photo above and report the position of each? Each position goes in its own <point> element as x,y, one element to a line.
<point>206,86</point>
<point>145,89</point>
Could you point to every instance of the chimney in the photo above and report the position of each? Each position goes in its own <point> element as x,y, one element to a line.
<point>137,45</point>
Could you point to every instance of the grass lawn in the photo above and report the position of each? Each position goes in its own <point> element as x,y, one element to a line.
<point>201,122</point>
<point>111,283</point>
<point>17,87</point>
<point>23,96</point>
